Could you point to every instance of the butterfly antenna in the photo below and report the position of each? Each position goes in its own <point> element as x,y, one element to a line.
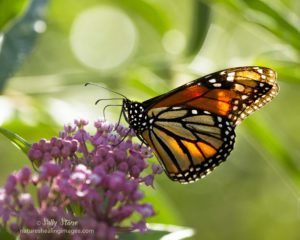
<point>97,85</point>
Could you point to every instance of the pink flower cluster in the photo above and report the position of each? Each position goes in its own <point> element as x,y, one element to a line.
<point>87,186</point>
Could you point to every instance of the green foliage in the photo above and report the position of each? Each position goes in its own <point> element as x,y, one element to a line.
<point>200,25</point>
<point>18,141</point>
<point>151,13</point>
<point>4,234</point>
<point>18,40</point>
<point>10,11</point>
<point>268,140</point>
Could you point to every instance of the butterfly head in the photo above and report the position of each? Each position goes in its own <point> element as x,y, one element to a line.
<point>135,115</point>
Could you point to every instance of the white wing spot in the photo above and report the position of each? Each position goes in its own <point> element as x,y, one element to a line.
<point>230,78</point>
<point>217,84</point>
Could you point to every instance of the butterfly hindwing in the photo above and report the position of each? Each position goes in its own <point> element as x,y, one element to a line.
<point>188,142</point>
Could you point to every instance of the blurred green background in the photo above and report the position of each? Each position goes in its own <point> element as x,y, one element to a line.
<point>49,49</point>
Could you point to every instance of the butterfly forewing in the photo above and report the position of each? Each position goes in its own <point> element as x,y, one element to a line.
<point>233,93</point>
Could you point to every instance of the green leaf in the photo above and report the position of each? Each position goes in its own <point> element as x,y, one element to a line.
<point>4,234</point>
<point>18,141</point>
<point>200,25</point>
<point>265,15</point>
<point>157,231</point>
<point>18,41</point>
<point>10,11</point>
<point>276,23</point>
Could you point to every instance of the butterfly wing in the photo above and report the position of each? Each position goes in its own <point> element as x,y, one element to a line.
<point>233,93</point>
<point>189,143</point>
<point>192,127</point>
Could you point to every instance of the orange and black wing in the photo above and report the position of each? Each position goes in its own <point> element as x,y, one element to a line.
<point>233,93</point>
<point>189,143</point>
<point>192,127</point>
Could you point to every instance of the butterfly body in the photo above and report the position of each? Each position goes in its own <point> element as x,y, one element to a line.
<point>135,115</point>
<point>191,128</point>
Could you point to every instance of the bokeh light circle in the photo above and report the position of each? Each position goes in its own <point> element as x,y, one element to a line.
<point>103,37</point>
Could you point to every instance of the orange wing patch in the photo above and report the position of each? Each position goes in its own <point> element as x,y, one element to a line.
<point>196,155</point>
<point>160,153</point>
<point>206,149</point>
<point>175,149</point>
<point>211,105</point>
<point>221,95</point>
<point>186,94</point>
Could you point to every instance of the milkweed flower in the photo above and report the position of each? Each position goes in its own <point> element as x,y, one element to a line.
<point>85,181</point>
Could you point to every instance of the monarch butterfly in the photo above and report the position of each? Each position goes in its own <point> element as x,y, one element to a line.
<point>191,128</point>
